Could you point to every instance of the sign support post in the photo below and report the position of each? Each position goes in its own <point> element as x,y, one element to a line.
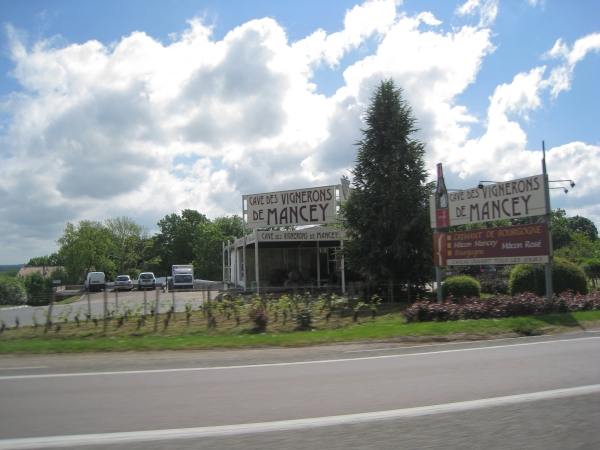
<point>547,219</point>
<point>256,273</point>
<point>438,277</point>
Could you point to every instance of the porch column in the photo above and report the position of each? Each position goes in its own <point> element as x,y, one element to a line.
<point>318,265</point>
<point>343,269</point>
<point>256,272</point>
<point>244,262</point>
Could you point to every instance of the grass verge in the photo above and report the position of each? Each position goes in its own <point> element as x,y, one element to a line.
<point>87,337</point>
<point>66,301</point>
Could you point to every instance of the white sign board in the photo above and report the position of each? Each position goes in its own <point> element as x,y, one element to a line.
<point>309,206</point>
<point>524,197</point>
<point>307,234</point>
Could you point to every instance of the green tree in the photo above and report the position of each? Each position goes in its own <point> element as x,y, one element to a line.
<point>561,235</point>
<point>84,247</point>
<point>59,274</point>
<point>128,243</point>
<point>12,292</point>
<point>563,228</point>
<point>584,226</point>
<point>580,246</point>
<point>36,284</point>
<point>231,226</point>
<point>386,216</point>
<point>174,243</point>
<point>208,250</point>
<point>49,260</point>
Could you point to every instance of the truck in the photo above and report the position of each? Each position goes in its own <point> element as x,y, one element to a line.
<point>182,277</point>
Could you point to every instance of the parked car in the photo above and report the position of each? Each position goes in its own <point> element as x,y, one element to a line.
<point>146,280</point>
<point>95,281</point>
<point>478,270</point>
<point>123,282</point>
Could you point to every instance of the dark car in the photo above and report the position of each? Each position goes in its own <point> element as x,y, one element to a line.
<point>475,271</point>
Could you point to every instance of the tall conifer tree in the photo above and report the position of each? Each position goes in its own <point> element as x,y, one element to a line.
<point>386,216</point>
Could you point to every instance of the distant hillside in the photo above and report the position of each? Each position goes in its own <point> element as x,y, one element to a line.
<point>4,269</point>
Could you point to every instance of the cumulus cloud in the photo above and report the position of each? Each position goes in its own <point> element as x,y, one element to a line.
<point>561,77</point>
<point>486,9</point>
<point>144,129</point>
<point>360,22</point>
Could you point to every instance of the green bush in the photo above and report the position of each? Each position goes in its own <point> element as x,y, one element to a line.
<point>11,292</point>
<point>462,286</point>
<point>36,284</point>
<point>504,271</point>
<point>565,276</point>
<point>591,267</point>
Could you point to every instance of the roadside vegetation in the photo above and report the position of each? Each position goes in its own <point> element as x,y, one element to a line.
<point>293,321</point>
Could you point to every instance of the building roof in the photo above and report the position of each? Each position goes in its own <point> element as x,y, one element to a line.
<point>44,270</point>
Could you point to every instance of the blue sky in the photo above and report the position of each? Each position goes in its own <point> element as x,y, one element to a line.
<point>145,108</point>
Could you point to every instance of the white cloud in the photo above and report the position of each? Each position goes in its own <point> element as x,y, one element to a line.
<point>375,16</point>
<point>487,10</point>
<point>561,77</point>
<point>144,129</point>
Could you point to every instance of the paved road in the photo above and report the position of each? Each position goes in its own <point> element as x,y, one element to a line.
<point>197,391</point>
<point>116,301</point>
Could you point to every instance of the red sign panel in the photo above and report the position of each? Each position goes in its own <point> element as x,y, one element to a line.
<point>503,245</point>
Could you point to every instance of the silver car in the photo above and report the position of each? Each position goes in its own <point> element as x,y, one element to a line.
<point>123,282</point>
<point>146,280</point>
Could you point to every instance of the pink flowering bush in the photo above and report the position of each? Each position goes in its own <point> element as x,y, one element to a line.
<point>525,304</point>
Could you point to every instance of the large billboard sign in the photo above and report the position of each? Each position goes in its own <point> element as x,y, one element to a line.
<point>309,206</point>
<point>520,198</point>
<point>502,245</point>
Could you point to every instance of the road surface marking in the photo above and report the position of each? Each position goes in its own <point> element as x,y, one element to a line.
<point>23,368</point>
<point>438,344</point>
<point>286,425</point>
<point>298,363</point>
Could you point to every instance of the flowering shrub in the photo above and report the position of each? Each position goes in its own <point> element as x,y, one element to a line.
<point>259,318</point>
<point>502,306</point>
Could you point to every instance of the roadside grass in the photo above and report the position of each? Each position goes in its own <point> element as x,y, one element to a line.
<point>72,299</point>
<point>137,335</point>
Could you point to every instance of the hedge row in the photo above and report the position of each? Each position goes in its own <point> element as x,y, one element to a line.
<point>498,307</point>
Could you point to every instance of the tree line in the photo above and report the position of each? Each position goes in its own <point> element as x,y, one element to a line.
<point>120,246</point>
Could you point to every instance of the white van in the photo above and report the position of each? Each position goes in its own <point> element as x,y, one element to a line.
<point>94,281</point>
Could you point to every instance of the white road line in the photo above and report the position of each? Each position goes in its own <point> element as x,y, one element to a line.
<point>439,344</point>
<point>298,363</point>
<point>23,368</point>
<point>286,425</point>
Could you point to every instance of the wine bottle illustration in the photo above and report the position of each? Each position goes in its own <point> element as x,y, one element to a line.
<point>442,212</point>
